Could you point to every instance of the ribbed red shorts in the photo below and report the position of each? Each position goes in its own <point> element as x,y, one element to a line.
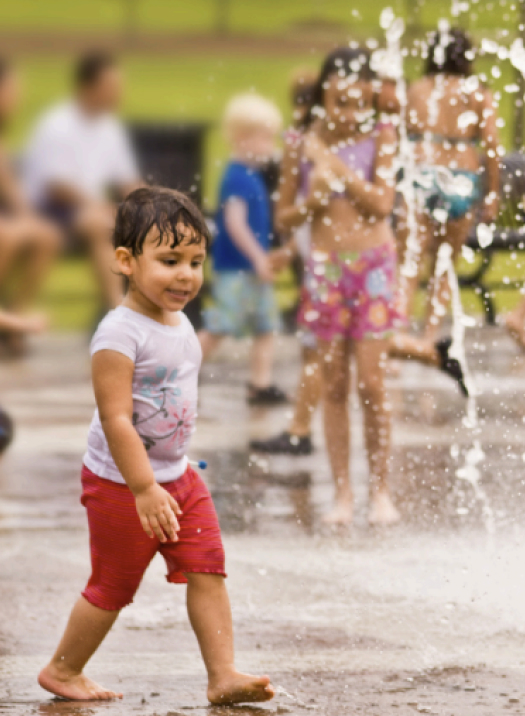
<point>121,550</point>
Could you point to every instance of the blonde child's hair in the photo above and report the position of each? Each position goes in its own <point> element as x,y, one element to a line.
<point>249,111</point>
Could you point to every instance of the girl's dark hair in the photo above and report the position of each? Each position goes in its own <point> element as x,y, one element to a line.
<point>344,61</point>
<point>454,60</point>
<point>158,207</point>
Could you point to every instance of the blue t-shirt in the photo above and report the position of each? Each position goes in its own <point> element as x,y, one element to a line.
<point>245,183</point>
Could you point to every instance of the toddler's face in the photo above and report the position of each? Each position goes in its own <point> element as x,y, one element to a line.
<point>169,277</point>
<point>258,145</point>
<point>347,102</point>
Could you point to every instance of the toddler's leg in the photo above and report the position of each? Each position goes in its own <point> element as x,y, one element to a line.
<point>261,360</point>
<point>209,342</point>
<point>85,631</point>
<point>210,616</point>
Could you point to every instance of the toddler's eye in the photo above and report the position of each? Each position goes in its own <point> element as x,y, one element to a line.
<point>169,262</point>
<point>196,264</point>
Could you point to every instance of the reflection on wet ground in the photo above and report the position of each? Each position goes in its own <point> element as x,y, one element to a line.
<point>426,617</point>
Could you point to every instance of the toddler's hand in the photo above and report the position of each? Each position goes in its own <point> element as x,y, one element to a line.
<point>157,511</point>
<point>264,270</point>
<point>280,258</point>
<point>320,189</point>
<point>314,149</point>
<point>34,323</point>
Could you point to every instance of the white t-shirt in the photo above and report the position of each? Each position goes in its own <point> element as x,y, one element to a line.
<point>167,361</point>
<point>89,153</point>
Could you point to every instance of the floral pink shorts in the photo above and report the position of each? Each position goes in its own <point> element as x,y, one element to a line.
<point>350,294</point>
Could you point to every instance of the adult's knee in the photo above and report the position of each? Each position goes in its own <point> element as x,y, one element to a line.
<point>95,225</point>
<point>51,237</point>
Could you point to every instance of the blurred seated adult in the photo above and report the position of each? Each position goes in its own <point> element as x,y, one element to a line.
<point>28,243</point>
<point>79,160</point>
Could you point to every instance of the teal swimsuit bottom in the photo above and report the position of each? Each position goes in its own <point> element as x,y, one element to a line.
<point>456,202</point>
<point>455,197</point>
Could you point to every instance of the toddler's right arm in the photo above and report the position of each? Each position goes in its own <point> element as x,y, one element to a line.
<point>112,381</point>
<point>291,214</point>
<point>236,222</point>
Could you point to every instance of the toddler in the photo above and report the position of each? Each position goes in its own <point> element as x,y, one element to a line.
<point>140,494</point>
<point>244,300</point>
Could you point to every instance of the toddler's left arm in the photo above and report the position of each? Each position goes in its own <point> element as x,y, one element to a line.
<point>376,198</point>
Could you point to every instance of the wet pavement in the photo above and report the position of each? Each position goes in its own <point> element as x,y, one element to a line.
<point>425,617</point>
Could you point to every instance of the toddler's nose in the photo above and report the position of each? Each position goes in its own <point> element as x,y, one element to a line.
<point>185,272</point>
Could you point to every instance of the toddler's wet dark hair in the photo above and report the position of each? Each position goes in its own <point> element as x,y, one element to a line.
<point>162,208</point>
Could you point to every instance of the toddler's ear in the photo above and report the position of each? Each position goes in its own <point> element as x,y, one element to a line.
<point>124,258</point>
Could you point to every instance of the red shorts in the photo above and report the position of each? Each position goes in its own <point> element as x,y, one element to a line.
<point>121,550</point>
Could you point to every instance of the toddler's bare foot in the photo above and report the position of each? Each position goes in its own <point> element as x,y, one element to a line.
<point>516,329</point>
<point>74,688</point>
<point>342,514</point>
<point>240,688</point>
<point>382,510</point>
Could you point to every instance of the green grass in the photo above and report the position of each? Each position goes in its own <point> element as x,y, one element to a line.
<point>245,16</point>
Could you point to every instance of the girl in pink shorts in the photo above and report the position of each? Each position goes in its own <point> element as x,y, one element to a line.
<point>140,494</point>
<point>338,176</point>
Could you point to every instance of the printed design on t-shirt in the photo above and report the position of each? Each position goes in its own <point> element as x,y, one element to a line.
<point>173,419</point>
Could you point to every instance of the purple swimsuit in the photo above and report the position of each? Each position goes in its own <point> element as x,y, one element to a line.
<point>360,157</point>
<point>350,294</point>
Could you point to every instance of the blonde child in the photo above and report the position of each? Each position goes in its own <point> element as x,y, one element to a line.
<point>244,300</point>
<point>140,494</point>
<point>297,439</point>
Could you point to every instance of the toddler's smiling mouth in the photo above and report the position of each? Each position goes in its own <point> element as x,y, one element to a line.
<point>179,294</point>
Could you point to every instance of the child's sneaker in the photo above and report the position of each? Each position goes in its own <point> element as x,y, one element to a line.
<point>284,444</point>
<point>272,395</point>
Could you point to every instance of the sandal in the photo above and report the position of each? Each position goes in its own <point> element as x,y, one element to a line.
<point>450,366</point>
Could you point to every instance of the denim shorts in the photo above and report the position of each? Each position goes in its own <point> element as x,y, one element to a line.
<point>242,305</point>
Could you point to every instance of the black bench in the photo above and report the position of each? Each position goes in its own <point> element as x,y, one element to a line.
<point>508,236</point>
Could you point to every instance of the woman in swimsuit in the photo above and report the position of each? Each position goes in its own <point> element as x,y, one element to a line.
<point>450,117</point>
<point>339,176</point>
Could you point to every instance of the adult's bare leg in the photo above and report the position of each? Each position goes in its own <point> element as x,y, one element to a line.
<point>40,243</point>
<point>409,284</point>
<point>439,296</point>
<point>515,323</point>
<point>371,356</point>
<point>9,247</point>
